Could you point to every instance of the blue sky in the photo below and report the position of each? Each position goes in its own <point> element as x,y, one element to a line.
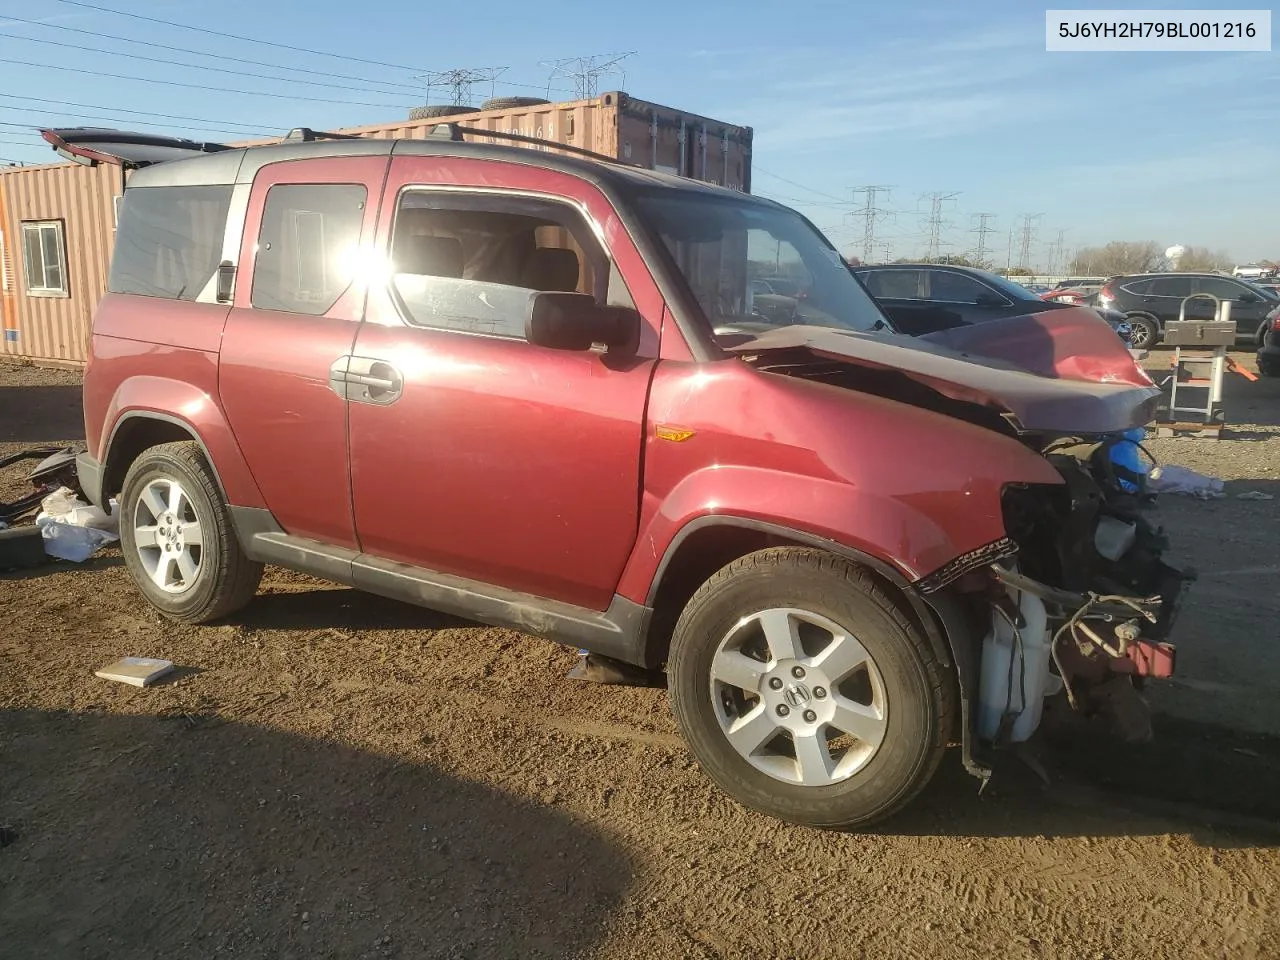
<point>926,97</point>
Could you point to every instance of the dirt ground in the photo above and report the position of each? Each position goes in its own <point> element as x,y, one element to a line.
<point>333,775</point>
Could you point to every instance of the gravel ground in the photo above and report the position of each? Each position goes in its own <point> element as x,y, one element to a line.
<point>336,775</point>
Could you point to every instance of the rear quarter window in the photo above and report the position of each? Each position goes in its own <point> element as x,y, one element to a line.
<point>169,240</point>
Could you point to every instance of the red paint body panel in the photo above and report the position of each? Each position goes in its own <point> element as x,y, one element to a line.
<point>157,356</point>
<point>824,460</point>
<point>501,461</point>
<point>1070,344</point>
<point>274,376</point>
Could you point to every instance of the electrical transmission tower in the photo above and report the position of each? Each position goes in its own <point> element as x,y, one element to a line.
<point>935,221</point>
<point>982,230</point>
<point>870,213</point>
<point>1056,252</point>
<point>1028,233</point>
<point>585,72</point>
<point>460,81</point>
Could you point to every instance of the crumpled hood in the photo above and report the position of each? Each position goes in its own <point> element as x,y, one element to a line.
<point>1060,371</point>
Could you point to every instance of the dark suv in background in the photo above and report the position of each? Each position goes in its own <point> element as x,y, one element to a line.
<point>1150,300</point>
<point>924,298</point>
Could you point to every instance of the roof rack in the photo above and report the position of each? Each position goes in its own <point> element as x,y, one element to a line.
<point>308,135</point>
<point>455,132</point>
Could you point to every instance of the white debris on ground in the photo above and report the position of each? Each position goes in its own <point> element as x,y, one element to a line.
<point>72,529</point>
<point>1171,478</point>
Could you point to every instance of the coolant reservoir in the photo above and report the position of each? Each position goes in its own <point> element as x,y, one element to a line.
<point>1014,676</point>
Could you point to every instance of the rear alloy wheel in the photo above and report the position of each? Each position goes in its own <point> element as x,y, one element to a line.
<point>177,539</point>
<point>805,692</point>
<point>1143,332</point>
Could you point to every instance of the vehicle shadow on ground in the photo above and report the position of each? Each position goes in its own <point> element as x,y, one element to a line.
<point>341,608</point>
<point>161,837</point>
<point>33,414</point>
<point>1219,786</point>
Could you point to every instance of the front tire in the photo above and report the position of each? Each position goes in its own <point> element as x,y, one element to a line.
<point>806,693</point>
<point>176,535</point>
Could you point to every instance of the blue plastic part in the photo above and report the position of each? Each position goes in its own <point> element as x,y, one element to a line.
<point>1125,453</point>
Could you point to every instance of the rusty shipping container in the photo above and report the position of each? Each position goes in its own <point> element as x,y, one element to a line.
<point>57,227</point>
<point>616,125</point>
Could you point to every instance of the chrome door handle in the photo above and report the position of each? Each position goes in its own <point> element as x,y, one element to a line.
<point>365,380</point>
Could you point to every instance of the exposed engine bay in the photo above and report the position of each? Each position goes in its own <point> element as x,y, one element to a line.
<point>1089,569</point>
<point>1077,600</point>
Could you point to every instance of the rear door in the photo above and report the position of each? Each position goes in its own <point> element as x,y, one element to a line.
<point>475,453</point>
<point>298,300</point>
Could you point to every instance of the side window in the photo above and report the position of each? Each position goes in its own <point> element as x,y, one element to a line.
<point>1220,287</point>
<point>1171,287</point>
<point>168,240</point>
<point>44,258</point>
<point>470,263</point>
<point>1139,287</point>
<point>955,287</point>
<point>894,284</point>
<point>307,246</point>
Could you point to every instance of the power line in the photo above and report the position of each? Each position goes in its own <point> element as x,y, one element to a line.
<point>200,86</point>
<point>98,118</point>
<point>202,53</point>
<point>271,43</point>
<point>143,113</point>
<point>202,66</point>
<point>1056,250</point>
<point>232,36</point>
<point>769,173</point>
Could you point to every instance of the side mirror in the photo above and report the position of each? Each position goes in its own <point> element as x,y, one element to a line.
<point>226,280</point>
<point>988,300</point>
<point>574,321</point>
<point>1249,296</point>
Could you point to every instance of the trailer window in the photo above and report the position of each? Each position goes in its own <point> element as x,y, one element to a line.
<point>168,240</point>
<point>44,258</point>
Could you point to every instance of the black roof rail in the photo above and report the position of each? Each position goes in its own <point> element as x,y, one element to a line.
<point>456,132</point>
<point>308,135</point>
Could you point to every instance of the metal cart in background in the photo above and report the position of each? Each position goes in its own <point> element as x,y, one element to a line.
<point>1200,363</point>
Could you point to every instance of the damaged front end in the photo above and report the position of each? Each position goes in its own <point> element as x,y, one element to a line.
<point>1085,605</point>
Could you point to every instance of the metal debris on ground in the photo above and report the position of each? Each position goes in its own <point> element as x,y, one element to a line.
<point>1254,495</point>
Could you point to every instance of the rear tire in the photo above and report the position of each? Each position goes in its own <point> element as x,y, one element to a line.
<point>1269,368</point>
<point>177,538</point>
<point>850,748</point>
<point>1145,332</point>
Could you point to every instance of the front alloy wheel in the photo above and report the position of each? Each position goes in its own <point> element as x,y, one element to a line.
<point>798,697</point>
<point>808,692</point>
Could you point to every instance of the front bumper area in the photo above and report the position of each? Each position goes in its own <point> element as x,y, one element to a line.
<point>1127,635</point>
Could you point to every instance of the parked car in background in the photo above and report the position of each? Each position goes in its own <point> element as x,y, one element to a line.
<point>1253,271</point>
<point>1269,348</point>
<point>1151,300</point>
<point>922,298</point>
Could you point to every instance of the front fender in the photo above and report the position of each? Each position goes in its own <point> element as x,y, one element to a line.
<point>890,531</point>
<point>186,406</point>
